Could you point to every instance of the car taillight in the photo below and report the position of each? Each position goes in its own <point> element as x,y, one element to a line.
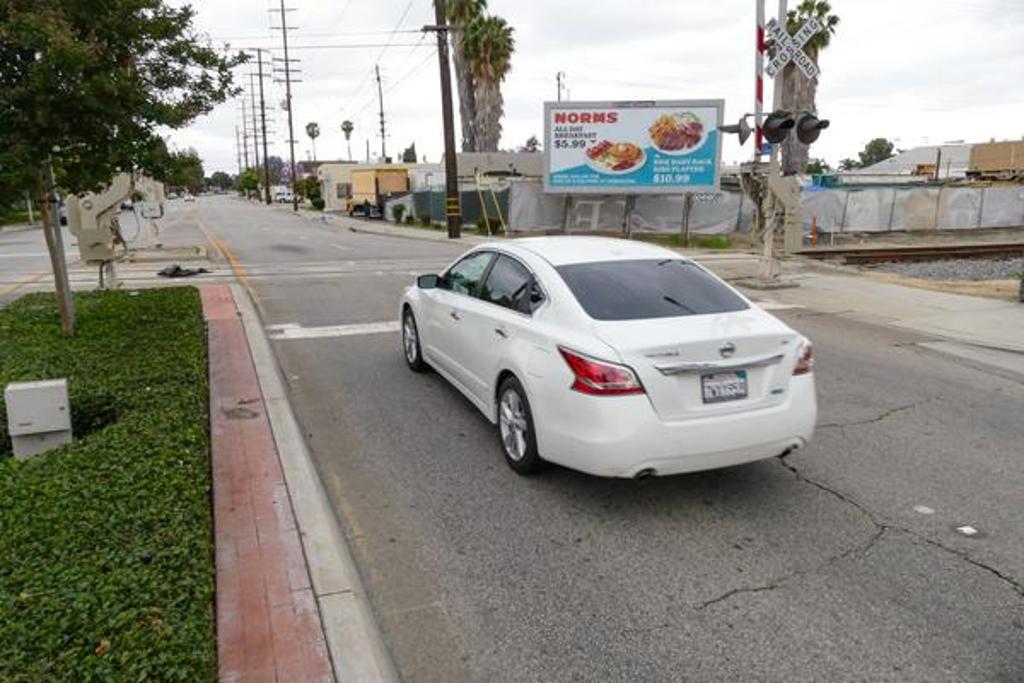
<point>804,359</point>
<point>600,378</point>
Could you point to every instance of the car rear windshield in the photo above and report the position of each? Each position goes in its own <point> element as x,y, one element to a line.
<point>636,290</point>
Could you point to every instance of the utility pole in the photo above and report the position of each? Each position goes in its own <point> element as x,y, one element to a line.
<point>245,136</point>
<point>255,129</point>
<point>380,99</point>
<point>451,178</point>
<point>263,120</point>
<point>558,78</point>
<point>238,150</point>
<point>288,97</point>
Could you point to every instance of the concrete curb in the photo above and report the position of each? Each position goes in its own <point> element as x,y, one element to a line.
<point>355,642</point>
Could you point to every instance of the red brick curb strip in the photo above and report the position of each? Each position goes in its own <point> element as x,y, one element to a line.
<point>268,625</point>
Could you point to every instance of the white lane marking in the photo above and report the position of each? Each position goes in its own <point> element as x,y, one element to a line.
<point>341,246</point>
<point>777,305</point>
<point>967,530</point>
<point>27,254</point>
<point>277,327</point>
<point>326,331</point>
<point>924,510</point>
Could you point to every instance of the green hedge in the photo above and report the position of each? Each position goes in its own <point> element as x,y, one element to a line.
<point>106,551</point>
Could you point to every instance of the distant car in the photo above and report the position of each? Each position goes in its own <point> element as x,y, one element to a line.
<point>190,198</point>
<point>284,197</point>
<point>611,357</point>
<point>172,195</point>
<point>126,205</point>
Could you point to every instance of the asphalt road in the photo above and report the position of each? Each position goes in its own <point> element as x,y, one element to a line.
<point>842,562</point>
<point>24,259</point>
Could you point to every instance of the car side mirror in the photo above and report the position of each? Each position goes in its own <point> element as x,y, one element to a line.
<point>427,281</point>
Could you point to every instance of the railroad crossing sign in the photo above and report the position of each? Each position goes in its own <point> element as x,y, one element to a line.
<point>790,48</point>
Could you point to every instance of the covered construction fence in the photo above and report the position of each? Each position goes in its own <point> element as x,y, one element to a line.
<point>526,208</point>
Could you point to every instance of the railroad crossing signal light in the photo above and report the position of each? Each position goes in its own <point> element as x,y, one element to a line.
<point>777,126</point>
<point>742,129</point>
<point>809,127</point>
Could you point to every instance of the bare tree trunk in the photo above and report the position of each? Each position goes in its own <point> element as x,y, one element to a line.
<point>466,87</point>
<point>798,95</point>
<point>489,110</point>
<point>54,245</point>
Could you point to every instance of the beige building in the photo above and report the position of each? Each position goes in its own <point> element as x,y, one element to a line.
<point>336,179</point>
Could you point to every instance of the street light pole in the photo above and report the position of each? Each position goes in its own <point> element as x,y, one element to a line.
<point>451,179</point>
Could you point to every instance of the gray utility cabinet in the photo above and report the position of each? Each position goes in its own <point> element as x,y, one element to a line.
<point>38,416</point>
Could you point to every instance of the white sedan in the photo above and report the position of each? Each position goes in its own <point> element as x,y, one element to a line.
<point>612,357</point>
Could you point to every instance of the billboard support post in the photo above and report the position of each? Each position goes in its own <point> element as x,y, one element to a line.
<point>566,213</point>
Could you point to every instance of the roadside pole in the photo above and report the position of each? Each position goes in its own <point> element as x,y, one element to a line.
<point>28,205</point>
<point>687,205</point>
<point>451,170</point>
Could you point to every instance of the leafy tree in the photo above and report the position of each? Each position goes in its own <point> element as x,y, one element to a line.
<point>220,180</point>
<point>276,167</point>
<point>462,13</point>
<point>848,164</point>
<point>488,46</point>
<point>88,84</point>
<point>815,166</point>
<point>798,91</point>
<point>313,131</point>
<point>185,170</point>
<point>347,128</point>
<point>247,181</point>
<point>532,145</point>
<point>875,151</point>
<point>409,155</point>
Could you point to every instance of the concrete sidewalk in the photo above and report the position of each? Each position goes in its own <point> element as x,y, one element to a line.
<point>290,602</point>
<point>984,322</point>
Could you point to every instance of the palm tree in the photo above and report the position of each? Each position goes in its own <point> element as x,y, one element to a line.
<point>347,128</point>
<point>798,91</point>
<point>313,131</point>
<point>462,13</point>
<point>489,48</point>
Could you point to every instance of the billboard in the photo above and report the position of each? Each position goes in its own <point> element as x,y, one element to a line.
<point>666,147</point>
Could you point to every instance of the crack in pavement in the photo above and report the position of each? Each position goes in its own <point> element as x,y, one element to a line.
<point>778,582</point>
<point>871,420</point>
<point>881,528</point>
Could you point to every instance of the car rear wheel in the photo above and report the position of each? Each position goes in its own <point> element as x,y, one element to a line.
<point>515,429</point>
<point>411,342</point>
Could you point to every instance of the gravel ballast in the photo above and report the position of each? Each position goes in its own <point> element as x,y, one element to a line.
<point>957,269</point>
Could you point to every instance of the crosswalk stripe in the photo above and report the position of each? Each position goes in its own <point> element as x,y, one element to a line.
<point>293,331</point>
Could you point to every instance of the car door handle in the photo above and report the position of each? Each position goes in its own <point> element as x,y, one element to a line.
<point>501,332</point>
<point>455,315</point>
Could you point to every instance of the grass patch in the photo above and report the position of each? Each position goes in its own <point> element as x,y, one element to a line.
<point>698,241</point>
<point>106,551</point>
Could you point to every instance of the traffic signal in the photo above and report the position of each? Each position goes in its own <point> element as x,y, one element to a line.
<point>742,129</point>
<point>809,127</point>
<point>777,126</point>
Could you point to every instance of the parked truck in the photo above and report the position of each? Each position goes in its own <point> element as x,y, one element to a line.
<point>372,187</point>
<point>997,161</point>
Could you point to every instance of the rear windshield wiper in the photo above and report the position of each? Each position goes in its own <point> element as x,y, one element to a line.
<point>669,299</point>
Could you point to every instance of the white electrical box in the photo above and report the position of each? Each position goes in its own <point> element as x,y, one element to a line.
<point>38,416</point>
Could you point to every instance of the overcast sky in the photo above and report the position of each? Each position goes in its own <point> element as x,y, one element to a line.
<point>916,71</point>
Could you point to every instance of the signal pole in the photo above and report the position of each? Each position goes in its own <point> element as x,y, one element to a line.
<point>288,97</point>
<point>238,151</point>
<point>559,78</point>
<point>380,99</point>
<point>451,178</point>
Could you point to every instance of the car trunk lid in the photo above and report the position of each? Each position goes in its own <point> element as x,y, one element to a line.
<point>696,366</point>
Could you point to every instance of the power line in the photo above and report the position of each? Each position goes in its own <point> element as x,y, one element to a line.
<point>405,12</point>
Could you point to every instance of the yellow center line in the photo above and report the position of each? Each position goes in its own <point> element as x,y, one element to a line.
<point>225,251</point>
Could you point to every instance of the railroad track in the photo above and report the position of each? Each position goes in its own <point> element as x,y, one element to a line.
<point>868,255</point>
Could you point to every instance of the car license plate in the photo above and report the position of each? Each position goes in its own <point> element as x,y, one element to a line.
<point>724,386</point>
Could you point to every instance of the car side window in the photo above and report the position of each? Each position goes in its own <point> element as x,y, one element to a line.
<point>509,284</point>
<point>466,275</point>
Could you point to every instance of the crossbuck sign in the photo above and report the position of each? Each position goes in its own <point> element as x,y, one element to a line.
<point>790,48</point>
